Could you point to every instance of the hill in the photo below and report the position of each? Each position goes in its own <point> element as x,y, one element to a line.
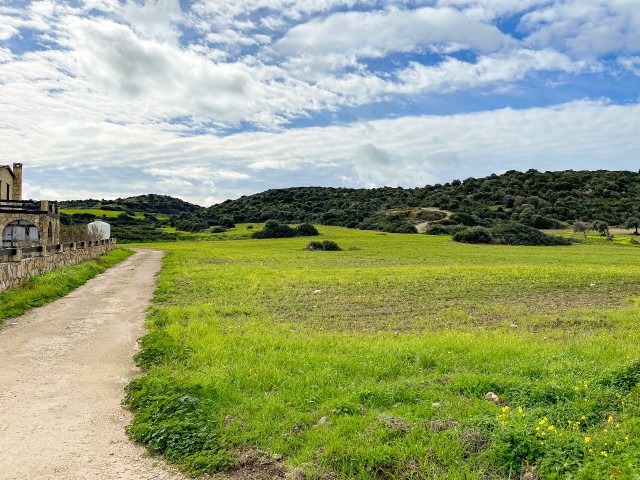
<point>539,199</point>
<point>151,203</point>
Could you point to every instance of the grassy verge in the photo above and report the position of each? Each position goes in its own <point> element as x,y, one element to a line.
<point>374,362</point>
<point>55,284</point>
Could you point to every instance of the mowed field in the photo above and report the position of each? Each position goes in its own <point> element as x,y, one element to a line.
<point>265,359</point>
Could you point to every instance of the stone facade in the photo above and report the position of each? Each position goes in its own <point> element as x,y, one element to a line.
<point>6,183</point>
<point>40,215</point>
<point>21,269</point>
<point>48,225</point>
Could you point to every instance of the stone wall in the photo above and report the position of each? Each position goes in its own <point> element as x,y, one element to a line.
<point>21,269</point>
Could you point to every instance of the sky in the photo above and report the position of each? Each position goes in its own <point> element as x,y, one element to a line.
<point>213,99</point>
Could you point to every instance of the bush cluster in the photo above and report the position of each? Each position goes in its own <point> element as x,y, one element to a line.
<point>326,245</point>
<point>275,229</point>
<point>474,235</point>
<point>509,234</point>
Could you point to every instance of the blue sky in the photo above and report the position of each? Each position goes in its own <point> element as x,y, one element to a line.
<point>212,99</point>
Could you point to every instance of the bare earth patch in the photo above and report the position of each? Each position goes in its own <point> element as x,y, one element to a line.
<point>63,369</point>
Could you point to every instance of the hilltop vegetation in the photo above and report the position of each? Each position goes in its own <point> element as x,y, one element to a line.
<point>375,362</point>
<point>541,200</point>
<point>151,203</point>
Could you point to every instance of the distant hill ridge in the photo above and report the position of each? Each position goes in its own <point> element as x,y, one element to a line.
<point>540,199</point>
<point>150,203</point>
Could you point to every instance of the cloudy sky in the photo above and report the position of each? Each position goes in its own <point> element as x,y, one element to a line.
<point>212,99</point>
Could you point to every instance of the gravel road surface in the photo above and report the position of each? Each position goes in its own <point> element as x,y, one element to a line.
<point>63,369</point>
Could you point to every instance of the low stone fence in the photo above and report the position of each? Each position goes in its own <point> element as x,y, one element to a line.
<point>20,264</point>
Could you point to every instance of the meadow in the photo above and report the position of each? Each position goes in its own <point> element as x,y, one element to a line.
<point>266,359</point>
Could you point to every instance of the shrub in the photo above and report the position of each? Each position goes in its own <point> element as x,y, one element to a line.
<point>465,219</point>
<point>274,229</point>
<point>446,221</point>
<point>306,230</point>
<point>437,230</point>
<point>601,227</point>
<point>474,235</point>
<point>540,221</point>
<point>218,230</point>
<point>430,215</point>
<point>326,245</point>
<point>519,234</point>
<point>227,222</point>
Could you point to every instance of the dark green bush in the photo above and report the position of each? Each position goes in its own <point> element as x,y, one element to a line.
<point>326,245</point>
<point>306,230</point>
<point>274,229</point>
<point>437,230</point>
<point>519,234</point>
<point>474,235</point>
<point>218,230</point>
<point>227,222</point>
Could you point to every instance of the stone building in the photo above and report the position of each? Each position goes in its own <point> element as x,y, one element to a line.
<point>25,222</point>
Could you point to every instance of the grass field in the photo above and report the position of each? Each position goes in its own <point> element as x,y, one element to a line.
<point>55,284</point>
<point>97,212</point>
<point>374,362</point>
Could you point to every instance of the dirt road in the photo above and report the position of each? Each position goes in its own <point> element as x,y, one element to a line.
<point>63,369</point>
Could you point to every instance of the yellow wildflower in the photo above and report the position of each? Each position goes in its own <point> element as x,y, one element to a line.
<point>587,439</point>
<point>604,453</point>
<point>551,427</point>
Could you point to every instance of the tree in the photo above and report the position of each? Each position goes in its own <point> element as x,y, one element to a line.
<point>633,222</point>
<point>579,227</point>
<point>601,227</point>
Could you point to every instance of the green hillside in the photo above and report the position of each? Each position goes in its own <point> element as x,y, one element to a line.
<point>539,199</point>
<point>150,203</point>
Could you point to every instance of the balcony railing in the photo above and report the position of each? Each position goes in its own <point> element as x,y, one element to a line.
<point>29,207</point>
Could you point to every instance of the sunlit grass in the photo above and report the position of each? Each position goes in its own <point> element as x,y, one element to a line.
<point>374,362</point>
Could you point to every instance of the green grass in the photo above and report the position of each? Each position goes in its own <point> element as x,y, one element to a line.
<point>99,213</point>
<point>55,284</point>
<point>374,362</point>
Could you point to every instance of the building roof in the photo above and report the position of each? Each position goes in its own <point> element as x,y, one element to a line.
<point>7,167</point>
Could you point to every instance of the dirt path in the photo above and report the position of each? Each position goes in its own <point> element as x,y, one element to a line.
<point>63,369</point>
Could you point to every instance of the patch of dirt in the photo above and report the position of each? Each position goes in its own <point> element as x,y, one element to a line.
<point>437,426</point>
<point>474,441</point>
<point>254,465</point>
<point>63,369</point>
<point>394,423</point>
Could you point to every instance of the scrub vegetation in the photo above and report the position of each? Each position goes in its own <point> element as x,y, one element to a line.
<point>399,357</point>
<point>55,284</point>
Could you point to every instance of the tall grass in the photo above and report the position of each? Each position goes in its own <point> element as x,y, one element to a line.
<point>55,284</point>
<point>374,362</point>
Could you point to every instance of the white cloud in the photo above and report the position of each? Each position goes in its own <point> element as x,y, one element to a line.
<point>408,151</point>
<point>631,63</point>
<point>154,19</point>
<point>375,34</point>
<point>588,28</point>
<point>454,75</point>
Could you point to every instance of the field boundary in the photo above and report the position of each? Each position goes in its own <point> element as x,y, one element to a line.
<point>45,258</point>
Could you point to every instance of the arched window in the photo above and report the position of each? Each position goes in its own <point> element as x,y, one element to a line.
<point>20,233</point>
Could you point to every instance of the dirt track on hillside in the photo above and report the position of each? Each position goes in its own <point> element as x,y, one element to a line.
<point>63,369</point>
